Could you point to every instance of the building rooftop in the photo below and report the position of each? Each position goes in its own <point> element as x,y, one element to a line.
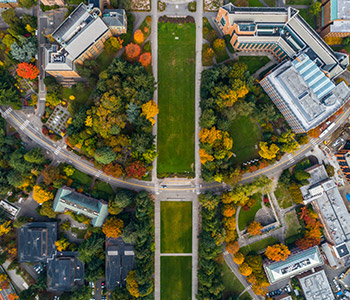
<point>307,91</point>
<point>36,242</point>
<point>293,265</point>
<point>340,9</point>
<point>64,271</point>
<point>119,262</point>
<point>316,286</point>
<point>113,17</point>
<point>67,198</point>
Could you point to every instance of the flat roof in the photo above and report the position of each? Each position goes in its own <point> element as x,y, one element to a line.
<point>119,262</point>
<point>293,265</point>
<point>36,241</point>
<point>316,286</point>
<point>64,271</point>
<point>306,90</point>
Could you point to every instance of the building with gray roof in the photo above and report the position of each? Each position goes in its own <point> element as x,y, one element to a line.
<point>64,272</point>
<point>81,36</point>
<point>68,199</point>
<point>323,194</point>
<point>295,264</point>
<point>36,241</point>
<point>302,86</point>
<point>316,286</point>
<point>119,262</point>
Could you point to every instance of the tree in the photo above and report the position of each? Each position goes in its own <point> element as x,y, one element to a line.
<point>238,258</point>
<point>232,248</point>
<point>27,3</point>
<point>47,210</point>
<point>245,270</point>
<point>139,37</point>
<point>105,155</point>
<point>150,110</point>
<point>145,59</point>
<point>268,152</point>
<point>254,228</point>
<point>295,193</point>
<point>8,40</point>
<point>209,200</point>
<point>132,51</point>
<point>113,44</point>
<point>126,4</point>
<point>27,71</point>
<point>346,41</point>
<point>35,156</point>
<point>50,175</point>
<point>219,45</point>
<point>69,170</point>
<point>122,199</point>
<point>136,170</point>
<point>25,51</point>
<point>277,252</point>
<point>12,296</point>
<point>315,8</point>
<point>9,15</point>
<point>228,210</point>
<point>41,195</point>
<point>5,228</point>
<point>62,244</point>
<point>330,170</point>
<point>53,99</point>
<point>113,227</point>
<point>132,285</point>
<point>90,248</point>
<point>301,175</point>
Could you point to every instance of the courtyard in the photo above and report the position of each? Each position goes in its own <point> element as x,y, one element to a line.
<point>176,98</point>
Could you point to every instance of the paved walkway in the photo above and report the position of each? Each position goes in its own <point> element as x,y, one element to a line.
<point>16,279</point>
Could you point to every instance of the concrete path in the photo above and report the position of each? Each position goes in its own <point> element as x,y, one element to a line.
<point>176,254</point>
<point>16,279</point>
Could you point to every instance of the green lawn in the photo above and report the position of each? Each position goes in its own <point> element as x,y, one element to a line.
<point>84,179</point>
<point>255,247</point>
<point>255,3</point>
<point>176,277</point>
<point>298,2</point>
<point>102,190</point>
<point>245,134</point>
<point>233,287</point>
<point>283,197</point>
<point>176,98</point>
<point>245,217</point>
<point>79,232</point>
<point>304,12</point>
<point>176,227</point>
<point>80,97</point>
<point>292,222</point>
<point>245,296</point>
<point>254,63</point>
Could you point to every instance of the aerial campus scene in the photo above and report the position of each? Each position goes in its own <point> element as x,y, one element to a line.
<point>174,149</point>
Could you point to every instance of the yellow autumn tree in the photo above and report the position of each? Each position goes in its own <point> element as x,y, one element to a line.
<point>238,258</point>
<point>150,110</point>
<point>204,156</point>
<point>62,244</point>
<point>245,270</point>
<point>5,228</point>
<point>41,195</point>
<point>131,285</point>
<point>268,152</point>
<point>88,121</point>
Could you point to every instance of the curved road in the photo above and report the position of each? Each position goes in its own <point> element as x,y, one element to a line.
<point>18,120</point>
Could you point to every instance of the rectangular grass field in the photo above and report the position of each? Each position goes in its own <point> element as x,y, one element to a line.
<point>176,277</point>
<point>176,227</point>
<point>176,97</point>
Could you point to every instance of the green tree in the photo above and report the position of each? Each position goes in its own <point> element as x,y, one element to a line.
<point>122,199</point>
<point>35,156</point>
<point>25,51</point>
<point>126,4</point>
<point>330,170</point>
<point>346,41</point>
<point>9,15</point>
<point>315,8</point>
<point>8,40</point>
<point>207,119</point>
<point>27,3</point>
<point>301,175</point>
<point>105,155</point>
<point>46,210</point>
<point>90,247</point>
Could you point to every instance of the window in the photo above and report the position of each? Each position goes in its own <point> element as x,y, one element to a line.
<point>223,21</point>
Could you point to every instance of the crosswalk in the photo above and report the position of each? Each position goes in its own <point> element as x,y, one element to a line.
<point>6,112</point>
<point>98,174</point>
<point>24,125</point>
<point>58,150</point>
<point>291,158</point>
<point>314,142</point>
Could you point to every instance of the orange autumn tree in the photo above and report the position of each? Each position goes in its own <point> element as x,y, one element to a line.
<point>245,270</point>
<point>238,258</point>
<point>139,38</point>
<point>204,156</point>
<point>4,283</point>
<point>113,227</point>
<point>28,71</point>
<point>41,195</point>
<point>277,252</point>
<point>150,110</point>
<point>12,296</point>
<point>132,51</point>
<point>232,248</point>
<point>254,228</point>
<point>228,210</point>
<point>145,59</point>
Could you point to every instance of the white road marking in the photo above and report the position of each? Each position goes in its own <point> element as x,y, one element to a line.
<point>24,125</point>
<point>58,150</point>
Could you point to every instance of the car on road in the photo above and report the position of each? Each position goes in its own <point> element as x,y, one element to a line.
<point>341,276</point>
<point>102,285</point>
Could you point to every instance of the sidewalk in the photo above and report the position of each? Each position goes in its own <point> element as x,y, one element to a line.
<point>17,280</point>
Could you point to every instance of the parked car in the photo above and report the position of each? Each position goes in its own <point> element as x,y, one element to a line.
<point>102,285</point>
<point>341,276</point>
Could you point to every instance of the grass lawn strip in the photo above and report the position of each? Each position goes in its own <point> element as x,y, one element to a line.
<point>245,134</point>
<point>245,217</point>
<point>245,296</point>
<point>176,277</point>
<point>176,227</point>
<point>292,222</point>
<point>231,283</point>
<point>254,63</point>
<point>84,179</point>
<point>176,97</point>
<point>309,18</point>
<point>283,197</point>
<point>260,245</point>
